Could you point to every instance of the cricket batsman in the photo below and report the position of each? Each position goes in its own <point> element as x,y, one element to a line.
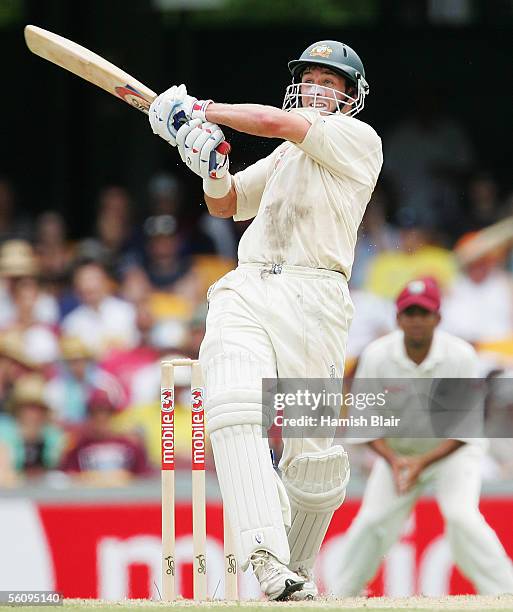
<point>407,466</point>
<point>285,311</point>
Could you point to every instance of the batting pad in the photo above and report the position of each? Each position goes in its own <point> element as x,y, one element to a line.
<point>316,485</point>
<point>249,488</point>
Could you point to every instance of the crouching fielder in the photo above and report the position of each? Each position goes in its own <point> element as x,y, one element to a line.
<point>285,311</point>
<point>405,467</point>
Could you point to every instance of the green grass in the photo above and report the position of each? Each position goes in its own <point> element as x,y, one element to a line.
<point>382,604</point>
<point>191,608</point>
<point>113,607</point>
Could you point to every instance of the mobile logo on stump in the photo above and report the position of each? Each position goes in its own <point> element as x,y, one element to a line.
<point>167,428</point>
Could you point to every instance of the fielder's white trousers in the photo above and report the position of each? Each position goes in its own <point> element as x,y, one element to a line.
<point>457,481</point>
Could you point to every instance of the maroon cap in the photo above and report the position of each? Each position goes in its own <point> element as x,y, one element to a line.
<point>423,292</point>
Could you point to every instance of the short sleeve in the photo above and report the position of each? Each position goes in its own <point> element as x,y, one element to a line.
<point>250,185</point>
<point>345,146</point>
<point>366,366</point>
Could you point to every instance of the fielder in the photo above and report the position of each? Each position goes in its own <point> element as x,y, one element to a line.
<point>406,466</point>
<point>285,311</point>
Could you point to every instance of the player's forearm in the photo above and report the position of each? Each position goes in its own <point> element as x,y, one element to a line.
<point>223,207</point>
<point>444,449</point>
<point>259,120</point>
<point>383,450</point>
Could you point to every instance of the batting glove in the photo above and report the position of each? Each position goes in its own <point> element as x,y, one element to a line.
<point>197,142</point>
<point>171,109</point>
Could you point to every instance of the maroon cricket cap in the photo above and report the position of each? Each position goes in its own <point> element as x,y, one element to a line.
<point>423,292</point>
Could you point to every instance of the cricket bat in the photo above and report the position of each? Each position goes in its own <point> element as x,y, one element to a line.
<point>93,68</point>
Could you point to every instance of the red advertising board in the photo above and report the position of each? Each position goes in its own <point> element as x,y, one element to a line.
<point>112,551</point>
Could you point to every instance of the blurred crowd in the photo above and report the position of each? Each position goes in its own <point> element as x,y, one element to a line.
<point>85,322</point>
<point>84,325</point>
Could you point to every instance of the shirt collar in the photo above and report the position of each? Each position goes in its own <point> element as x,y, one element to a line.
<point>434,357</point>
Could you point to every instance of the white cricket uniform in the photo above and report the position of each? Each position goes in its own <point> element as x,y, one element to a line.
<point>456,479</point>
<point>285,311</point>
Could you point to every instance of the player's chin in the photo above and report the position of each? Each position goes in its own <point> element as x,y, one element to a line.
<point>419,336</point>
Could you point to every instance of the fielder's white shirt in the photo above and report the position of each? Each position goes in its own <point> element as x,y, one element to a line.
<point>308,199</point>
<point>448,357</point>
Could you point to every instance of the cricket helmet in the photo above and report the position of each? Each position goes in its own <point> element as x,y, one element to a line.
<point>338,57</point>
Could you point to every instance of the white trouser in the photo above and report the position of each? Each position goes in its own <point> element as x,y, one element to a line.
<point>260,324</point>
<point>475,547</point>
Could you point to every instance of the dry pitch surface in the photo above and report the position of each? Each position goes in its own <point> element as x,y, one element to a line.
<point>463,603</point>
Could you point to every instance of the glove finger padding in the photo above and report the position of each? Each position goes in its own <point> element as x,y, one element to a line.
<point>212,163</point>
<point>188,149</point>
<point>196,143</point>
<point>193,145</point>
<point>182,134</point>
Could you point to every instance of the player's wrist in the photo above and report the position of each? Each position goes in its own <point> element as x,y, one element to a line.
<point>218,187</point>
<point>426,460</point>
<point>199,109</point>
<point>392,458</point>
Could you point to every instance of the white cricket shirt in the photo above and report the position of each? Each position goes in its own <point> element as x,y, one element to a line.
<point>308,199</point>
<point>448,357</point>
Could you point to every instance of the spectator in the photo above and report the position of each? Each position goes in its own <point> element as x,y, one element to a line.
<point>138,368</point>
<point>484,207</point>
<point>33,351</point>
<point>140,418</point>
<point>54,252</point>
<point>136,286</point>
<point>102,321</point>
<point>374,316</point>
<point>18,266</point>
<point>101,456</point>
<point>479,305</point>
<point>197,237</point>
<point>12,225</point>
<point>221,234</point>
<point>77,377</point>
<point>195,332</point>
<point>508,213</point>
<point>115,243</point>
<point>39,340</point>
<point>416,257</point>
<point>56,256</point>
<point>166,269</point>
<point>165,195</point>
<point>14,362</point>
<point>375,235</point>
<point>34,445</point>
<point>427,177</point>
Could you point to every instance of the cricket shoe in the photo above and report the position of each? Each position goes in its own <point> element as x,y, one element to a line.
<point>276,580</point>
<point>309,590</point>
